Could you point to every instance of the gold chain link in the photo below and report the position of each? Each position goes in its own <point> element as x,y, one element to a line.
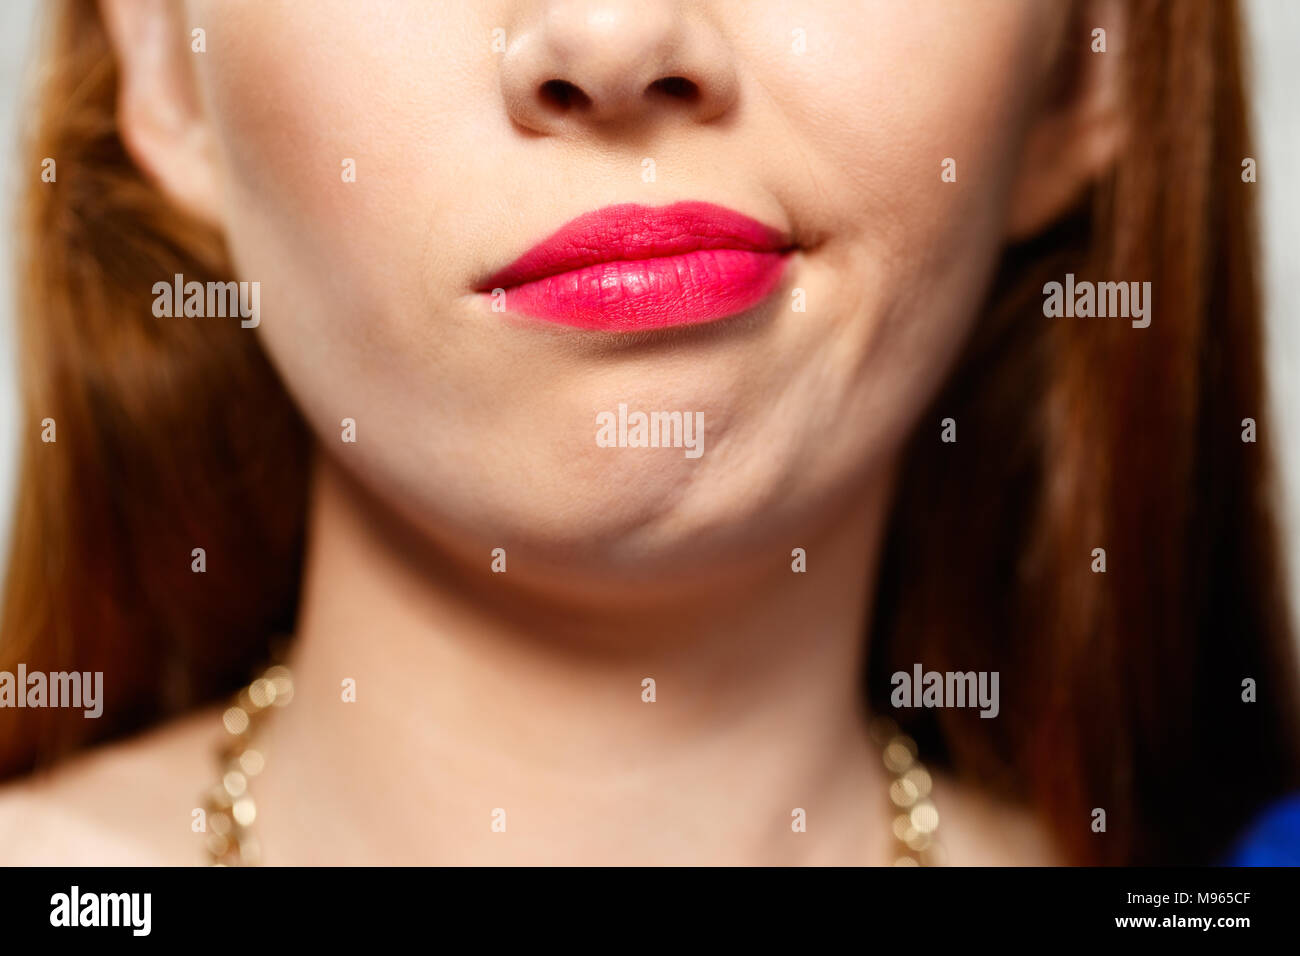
<point>231,811</point>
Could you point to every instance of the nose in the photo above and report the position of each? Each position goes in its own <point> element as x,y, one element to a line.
<point>577,64</point>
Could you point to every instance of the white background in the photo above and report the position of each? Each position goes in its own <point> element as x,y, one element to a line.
<point>1275,29</point>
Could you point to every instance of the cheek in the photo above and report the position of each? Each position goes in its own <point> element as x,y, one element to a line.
<point>883,96</point>
<point>314,129</point>
<point>332,121</point>
<point>874,106</point>
<point>338,121</point>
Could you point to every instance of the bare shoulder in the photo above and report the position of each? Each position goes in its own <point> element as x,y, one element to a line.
<point>979,830</point>
<point>127,803</point>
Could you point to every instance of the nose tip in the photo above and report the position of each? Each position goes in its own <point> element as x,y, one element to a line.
<point>589,62</point>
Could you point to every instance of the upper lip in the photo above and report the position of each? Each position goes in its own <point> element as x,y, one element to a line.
<point>630,232</point>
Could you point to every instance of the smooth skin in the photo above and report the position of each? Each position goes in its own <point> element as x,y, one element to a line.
<point>523,690</point>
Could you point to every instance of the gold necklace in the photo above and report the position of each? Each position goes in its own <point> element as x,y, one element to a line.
<point>230,807</point>
<point>916,819</point>
<point>231,812</point>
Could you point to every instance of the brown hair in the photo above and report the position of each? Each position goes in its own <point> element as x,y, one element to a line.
<point>1121,690</point>
<point>170,436</point>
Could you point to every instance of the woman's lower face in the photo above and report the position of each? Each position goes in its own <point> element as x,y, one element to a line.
<point>630,285</point>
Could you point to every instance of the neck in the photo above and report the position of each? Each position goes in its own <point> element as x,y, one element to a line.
<point>479,704</point>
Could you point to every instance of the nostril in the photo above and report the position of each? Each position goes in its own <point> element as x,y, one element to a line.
<point>563,95</point>
<point>677,87</point>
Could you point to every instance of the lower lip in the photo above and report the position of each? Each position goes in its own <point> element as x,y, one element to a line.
<point>635,295</point>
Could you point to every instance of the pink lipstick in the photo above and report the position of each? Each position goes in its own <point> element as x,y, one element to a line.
<point>630,268</point>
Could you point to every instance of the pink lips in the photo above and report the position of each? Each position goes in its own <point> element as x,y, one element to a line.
<point>629,268</point>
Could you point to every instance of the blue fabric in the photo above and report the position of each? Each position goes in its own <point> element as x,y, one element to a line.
<point>1273,839</point>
